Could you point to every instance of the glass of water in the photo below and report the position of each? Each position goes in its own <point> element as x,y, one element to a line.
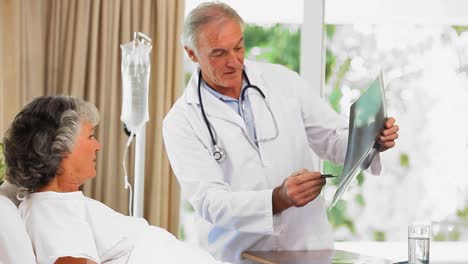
<point>419,237</point>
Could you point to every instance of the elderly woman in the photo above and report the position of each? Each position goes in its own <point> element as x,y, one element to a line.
<point>50,149</point>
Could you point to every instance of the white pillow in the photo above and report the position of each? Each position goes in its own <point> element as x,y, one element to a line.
<point>10,190</point>
<point>15,244</point>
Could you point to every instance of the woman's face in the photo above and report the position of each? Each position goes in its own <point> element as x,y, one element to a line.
<point>80,164</point>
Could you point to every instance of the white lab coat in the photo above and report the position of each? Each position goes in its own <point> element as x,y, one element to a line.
<point>233,199</point>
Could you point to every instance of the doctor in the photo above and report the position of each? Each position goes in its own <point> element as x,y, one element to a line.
<point>240,142</point>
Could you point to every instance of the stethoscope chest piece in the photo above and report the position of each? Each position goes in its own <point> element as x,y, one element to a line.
<point>219,154</point>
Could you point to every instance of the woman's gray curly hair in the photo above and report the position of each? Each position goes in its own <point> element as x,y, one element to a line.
<point>41,134</point>
<point>204,14</point>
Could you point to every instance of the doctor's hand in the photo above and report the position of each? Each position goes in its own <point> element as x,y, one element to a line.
<point>389,134</point>
<point>297,190</point>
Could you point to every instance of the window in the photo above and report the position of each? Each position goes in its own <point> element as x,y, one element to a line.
<point>426,91</point>
<point>424,60</point>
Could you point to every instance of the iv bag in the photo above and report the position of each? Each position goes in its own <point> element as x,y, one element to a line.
<point>135,80</point>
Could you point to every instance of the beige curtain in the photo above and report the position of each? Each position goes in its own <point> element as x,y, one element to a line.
<point>72,47</point>
<point>10,92</point>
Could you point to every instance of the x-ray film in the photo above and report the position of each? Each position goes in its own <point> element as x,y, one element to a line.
<point>366,121</point>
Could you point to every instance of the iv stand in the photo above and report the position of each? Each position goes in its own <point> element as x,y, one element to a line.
<point>140,142</point>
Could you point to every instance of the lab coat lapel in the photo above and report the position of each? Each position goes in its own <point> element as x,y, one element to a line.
<point>214,107</point>
<point>264,124</point>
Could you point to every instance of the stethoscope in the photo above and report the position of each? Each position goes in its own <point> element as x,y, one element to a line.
<point>218,153</point>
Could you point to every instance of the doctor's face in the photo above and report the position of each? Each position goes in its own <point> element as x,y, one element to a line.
<point>220,47</point>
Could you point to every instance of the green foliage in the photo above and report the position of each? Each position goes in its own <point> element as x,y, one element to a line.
<point>2,164</point>
<point>188,207</point>
<point>337,169</point>
<point>336,93</point>
<point>256,36</point>
<point>404,160</point>
<point>187,77</point>
<point>338,217</point>
<point>329,56</point>
<point>277,44</point>
<point>360,199</point>
<point>182,233</point>
<point>463,214</point>
<point>460,29</point>
<point>330,31</point>
<point>379,235</point>
<point>329,64</point>
<point>360,179</point>
<point>439,237</point>
<point>334,99</point>
<point>452,235</point>
<point>332,168</point>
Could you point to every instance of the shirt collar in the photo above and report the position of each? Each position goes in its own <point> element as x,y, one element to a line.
<point>219,95</point>
<point>191,93</point>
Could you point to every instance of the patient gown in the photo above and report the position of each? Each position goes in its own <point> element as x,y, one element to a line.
<point>71,224</point>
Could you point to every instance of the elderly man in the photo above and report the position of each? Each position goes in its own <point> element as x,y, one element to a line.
<point>240,141</point>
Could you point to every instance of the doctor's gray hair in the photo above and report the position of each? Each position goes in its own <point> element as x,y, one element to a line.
<point>40,136</point>
<point>204,14</point>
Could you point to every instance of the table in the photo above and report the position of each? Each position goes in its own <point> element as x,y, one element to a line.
<point>446,252</point>
<point>363,252</point>
<point>310,257</point>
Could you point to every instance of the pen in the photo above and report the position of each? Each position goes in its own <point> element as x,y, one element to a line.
<point>328,176</point>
